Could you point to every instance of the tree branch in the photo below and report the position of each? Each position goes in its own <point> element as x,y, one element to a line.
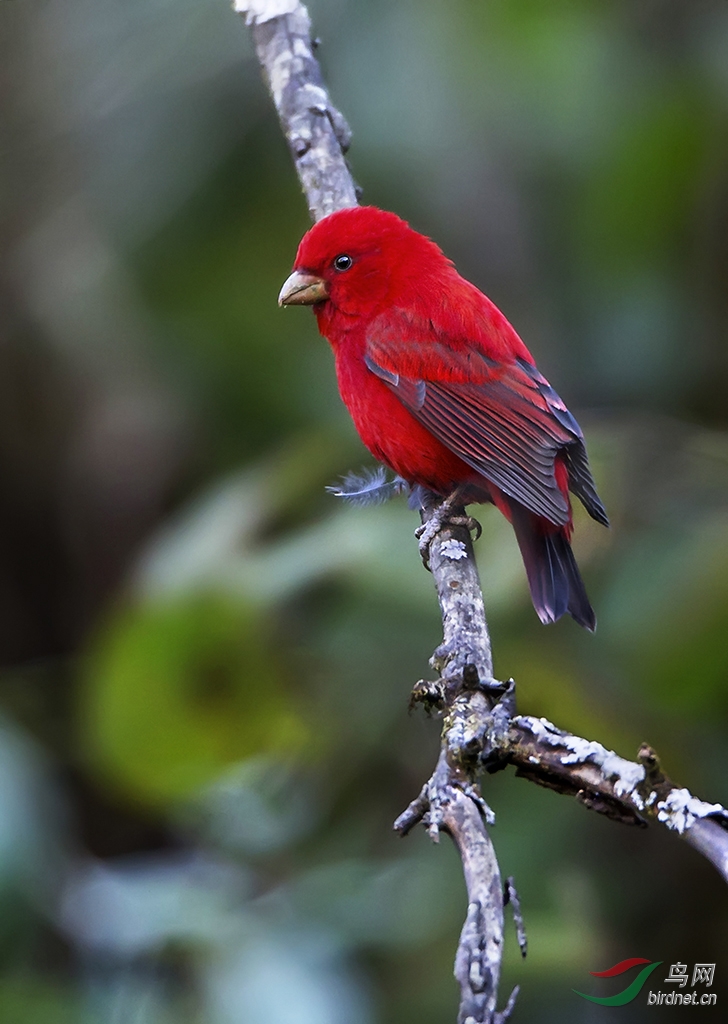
<point>317,133</point>
<point>475,709</point>
<point>633,792</point>
<point>481,730</point>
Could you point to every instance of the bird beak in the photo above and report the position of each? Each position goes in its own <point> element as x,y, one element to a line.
<point>303,290</point>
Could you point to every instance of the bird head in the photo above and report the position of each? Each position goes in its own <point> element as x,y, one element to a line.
<point>359,259</point>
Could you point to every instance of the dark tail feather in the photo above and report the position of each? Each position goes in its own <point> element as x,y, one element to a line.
<point>553,575</point>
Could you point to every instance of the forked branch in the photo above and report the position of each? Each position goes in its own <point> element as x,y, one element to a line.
<point>481,730</point>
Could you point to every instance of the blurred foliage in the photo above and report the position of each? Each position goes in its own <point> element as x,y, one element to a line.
<point>205,659</point>
<point>179,691</point>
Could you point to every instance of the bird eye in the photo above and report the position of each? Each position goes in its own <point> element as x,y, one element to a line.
<point>343,262</point>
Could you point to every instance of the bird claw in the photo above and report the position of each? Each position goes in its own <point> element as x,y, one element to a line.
<point>469,522</point>
<point>425,535</point>
<point>442,517</point>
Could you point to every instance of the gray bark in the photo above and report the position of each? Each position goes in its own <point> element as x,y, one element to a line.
<point>317,133</point>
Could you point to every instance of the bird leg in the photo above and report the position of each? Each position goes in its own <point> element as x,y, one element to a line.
<point>440,518</point>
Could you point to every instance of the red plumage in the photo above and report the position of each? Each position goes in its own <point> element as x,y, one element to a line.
<point>442,389</point>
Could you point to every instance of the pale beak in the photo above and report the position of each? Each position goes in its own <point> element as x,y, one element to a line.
<point>303,290</point>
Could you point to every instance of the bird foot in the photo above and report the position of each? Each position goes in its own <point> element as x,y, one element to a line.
<point>469,522</point>
<point>442,517</point>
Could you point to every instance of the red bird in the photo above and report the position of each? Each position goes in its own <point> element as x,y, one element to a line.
<point>444,392</point>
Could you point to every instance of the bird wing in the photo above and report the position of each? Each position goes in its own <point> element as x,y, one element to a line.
<point>502,418</point>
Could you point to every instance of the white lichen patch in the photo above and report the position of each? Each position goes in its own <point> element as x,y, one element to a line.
<point>258,11</point>
<point>454,549</point>
<point>680,810</point>
<point>542,729</point>
<point>582,750</point>
<point>626,775</point>
<point>279,75</point>
<point>300,49</point>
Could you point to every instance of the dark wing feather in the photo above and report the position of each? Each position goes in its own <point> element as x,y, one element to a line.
<point>503,420</point>
<point>581,482</point>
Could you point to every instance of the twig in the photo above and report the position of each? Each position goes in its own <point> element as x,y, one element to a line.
<point>480,727</point>
<point>510,895</point>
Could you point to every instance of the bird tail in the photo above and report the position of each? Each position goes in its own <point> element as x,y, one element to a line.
<point>553,575</point>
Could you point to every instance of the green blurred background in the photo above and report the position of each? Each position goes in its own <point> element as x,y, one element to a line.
<point>205,659</point>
